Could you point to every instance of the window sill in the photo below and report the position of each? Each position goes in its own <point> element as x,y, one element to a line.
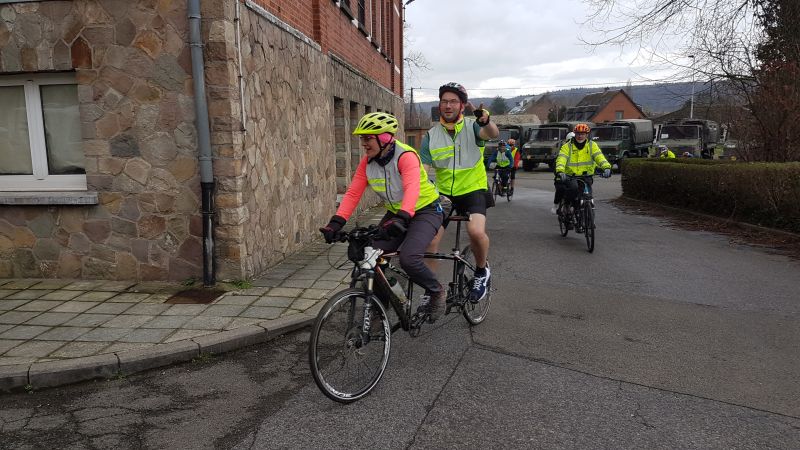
<point>48,198</point>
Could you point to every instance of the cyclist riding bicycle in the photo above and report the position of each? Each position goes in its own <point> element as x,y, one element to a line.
<point>515,164</point>
<point>503,161</point>
<point>578,157</point>
<point>393,170</point>
<point>454,147</point>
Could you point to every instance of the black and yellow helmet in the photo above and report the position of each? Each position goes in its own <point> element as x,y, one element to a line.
<point>376,123</point>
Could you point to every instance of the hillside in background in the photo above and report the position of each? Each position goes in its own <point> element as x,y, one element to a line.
<point>654,99</point>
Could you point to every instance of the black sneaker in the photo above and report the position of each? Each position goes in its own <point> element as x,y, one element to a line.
<point>480,286</point>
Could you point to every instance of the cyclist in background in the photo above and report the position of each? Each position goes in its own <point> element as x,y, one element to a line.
<point>578,157</point>
<point>454,147</point>
<point>517,162</point>
<point>393,170</point>
<point>503,160</point>
<point>664,152</point>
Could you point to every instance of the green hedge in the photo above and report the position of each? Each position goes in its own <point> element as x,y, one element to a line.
<point>765,194</point>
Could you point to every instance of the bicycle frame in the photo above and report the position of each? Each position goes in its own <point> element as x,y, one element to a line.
<point>376,284</point>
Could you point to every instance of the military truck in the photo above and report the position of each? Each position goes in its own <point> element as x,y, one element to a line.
<point>517,132</point>
<point>698,137</point>
<point>543,144</point>
<point>630,138</point>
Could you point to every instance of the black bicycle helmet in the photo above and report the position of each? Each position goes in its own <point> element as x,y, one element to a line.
<point>454,88</point>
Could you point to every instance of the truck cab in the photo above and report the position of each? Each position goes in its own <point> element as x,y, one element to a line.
<point>623,139</point>
<point>517,132</point>
<point>695,136</point>
<point>543,144</point>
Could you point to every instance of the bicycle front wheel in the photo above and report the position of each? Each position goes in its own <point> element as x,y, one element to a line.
<point>588,225</point>
<point>346,362</point>
<point>563,220</point>
<point>495,189</point>
<point>475,313</point>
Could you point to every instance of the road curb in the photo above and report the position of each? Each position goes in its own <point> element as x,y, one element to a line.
<point>15,378</point>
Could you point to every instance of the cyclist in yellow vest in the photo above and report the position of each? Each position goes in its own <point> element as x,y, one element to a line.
<point>578,157</point>
<point>503,162</point>
<point>454,148</point>
<point>665,152</point>
<point>393,170</point>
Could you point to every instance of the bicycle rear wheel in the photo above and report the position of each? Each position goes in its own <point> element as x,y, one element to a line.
<point>346,366</point>
<point>588,225</point>
<point>475,313</point>
<point>509,193</point>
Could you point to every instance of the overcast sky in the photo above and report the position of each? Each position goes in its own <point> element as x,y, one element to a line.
<point>515,47</point>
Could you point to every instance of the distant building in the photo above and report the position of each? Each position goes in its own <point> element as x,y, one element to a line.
<point>605,106</point>
<point>540,107</point>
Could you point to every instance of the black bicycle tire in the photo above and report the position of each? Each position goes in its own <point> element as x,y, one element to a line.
<point>495,190</point>
<point>588,225</point>
<point>323,385</point>
<point>469,307</point>
<point>562,220</point>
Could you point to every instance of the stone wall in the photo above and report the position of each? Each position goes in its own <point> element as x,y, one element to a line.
<point>282,186</point>
<point>132,67</point>
<point>276,171</point>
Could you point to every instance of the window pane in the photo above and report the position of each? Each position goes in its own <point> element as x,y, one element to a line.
<point>15,146</point>
<point>62,129</point>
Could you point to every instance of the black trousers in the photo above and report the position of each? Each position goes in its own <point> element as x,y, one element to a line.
<point>421,231</point>
<point>570,189</point>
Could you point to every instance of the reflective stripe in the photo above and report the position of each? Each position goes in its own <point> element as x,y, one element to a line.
<point>457,159</point>
<point>387,182</point>
<point>574,161</point>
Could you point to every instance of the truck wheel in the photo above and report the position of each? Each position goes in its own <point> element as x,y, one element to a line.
<point>527,166</point>
<point>551,165</point>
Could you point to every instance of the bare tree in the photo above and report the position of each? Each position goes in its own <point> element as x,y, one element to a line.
<point>707,39</point>
<point>754,45</point>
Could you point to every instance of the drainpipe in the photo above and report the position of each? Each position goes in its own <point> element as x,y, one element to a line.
<point>203,140</point>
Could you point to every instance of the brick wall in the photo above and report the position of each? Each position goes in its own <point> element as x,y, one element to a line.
<point>619,103</point>
<point>332,28</point>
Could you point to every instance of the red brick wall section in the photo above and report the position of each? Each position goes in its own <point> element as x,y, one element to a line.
<point>619,103</point>
<point>334,31</point>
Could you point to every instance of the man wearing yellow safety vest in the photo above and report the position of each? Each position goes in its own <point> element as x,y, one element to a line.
<point>393,170</point>
<point>578,157</point>
<point>454,148</point>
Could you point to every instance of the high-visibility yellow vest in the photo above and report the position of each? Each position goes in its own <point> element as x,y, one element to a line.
<point>387,182</point>
<point>457,159</point>
<point>574,161</point>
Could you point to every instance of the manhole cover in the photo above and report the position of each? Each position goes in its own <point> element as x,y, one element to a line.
<point>195,296</point>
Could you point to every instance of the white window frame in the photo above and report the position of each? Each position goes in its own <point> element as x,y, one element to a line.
<point>41,180</point>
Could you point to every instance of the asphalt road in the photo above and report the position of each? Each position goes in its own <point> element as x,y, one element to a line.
<point>662,338</point>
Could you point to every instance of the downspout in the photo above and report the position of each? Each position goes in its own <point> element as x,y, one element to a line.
<point>203,141</point>
<point>241,74</point>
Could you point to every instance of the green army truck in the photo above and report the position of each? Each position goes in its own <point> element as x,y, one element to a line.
<point>630,138</point>
<point>697,137</point>
<point>543,144</point>
<point>518,132</point>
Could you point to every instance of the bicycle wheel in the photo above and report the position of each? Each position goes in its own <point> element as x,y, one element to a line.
<point>588,225</point>
<point>509,193</point>
<point>495,189</point>
<point>475,313</point>
<point>563,220</point>
<point>345,365</point>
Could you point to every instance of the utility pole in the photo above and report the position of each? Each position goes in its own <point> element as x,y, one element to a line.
<point>412,105</point>
<point>691,99</point>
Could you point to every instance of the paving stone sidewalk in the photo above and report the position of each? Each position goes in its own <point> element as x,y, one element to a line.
<point>55,332</point>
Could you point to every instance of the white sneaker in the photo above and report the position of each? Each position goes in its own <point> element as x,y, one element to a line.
<point>554,209</point>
